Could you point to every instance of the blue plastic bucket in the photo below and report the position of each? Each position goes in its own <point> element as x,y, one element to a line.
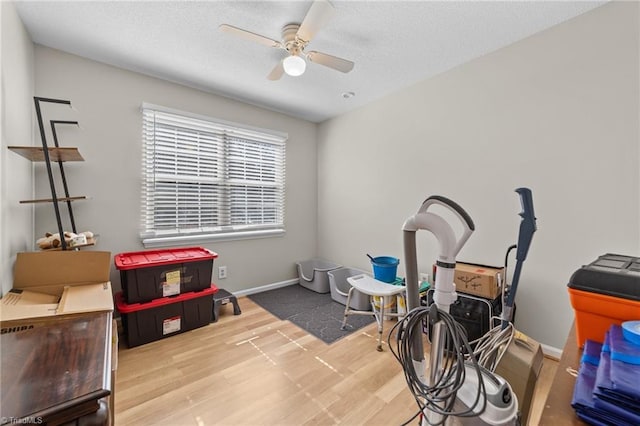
<point>385,268</point>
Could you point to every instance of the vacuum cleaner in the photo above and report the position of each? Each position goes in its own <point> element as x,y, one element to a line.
<point>457,387</point>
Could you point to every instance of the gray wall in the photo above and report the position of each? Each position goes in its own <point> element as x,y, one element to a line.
<point>557,112</point>
<point>16,106</point>
<point>107,102</point>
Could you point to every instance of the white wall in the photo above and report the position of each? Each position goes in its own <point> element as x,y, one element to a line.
<point>557,112</point>
<point>108,101</point>
<point>16,106</point>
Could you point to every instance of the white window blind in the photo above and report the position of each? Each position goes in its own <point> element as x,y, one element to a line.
<point>205,178</point>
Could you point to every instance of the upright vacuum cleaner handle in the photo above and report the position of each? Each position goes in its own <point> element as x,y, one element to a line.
<point>527,228</point>
<point>452,205</point>
<point>527,225</point>
<point>449,244</point>
<point>462,215</point>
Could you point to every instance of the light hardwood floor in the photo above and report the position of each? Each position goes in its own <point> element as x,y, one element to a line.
<point>254,369</point>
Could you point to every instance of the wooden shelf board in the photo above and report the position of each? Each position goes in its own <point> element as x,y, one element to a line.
<point>35,153</point>
<point>50,200</point>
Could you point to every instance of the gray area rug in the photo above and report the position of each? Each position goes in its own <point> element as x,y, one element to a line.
<point>315,313</point>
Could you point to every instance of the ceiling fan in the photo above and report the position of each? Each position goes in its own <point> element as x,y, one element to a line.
<point>295,38</point>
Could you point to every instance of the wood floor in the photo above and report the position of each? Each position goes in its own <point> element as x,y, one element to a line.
<point>254,369</point>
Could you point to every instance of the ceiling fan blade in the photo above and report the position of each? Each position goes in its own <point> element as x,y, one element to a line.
<point>330,61</point>
<point>249,35</point>
<point>317,17</point>
<point>276,72</point>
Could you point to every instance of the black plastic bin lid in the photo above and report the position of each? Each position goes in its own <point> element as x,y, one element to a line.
<point>612,275</point>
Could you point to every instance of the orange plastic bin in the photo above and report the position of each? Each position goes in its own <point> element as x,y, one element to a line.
<point>603,293</point>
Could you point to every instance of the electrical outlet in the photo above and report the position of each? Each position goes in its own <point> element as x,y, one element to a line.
<point>424,277</point>
<point>222,272</point>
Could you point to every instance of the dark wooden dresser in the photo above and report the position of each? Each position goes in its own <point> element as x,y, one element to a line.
<point>58,371</point>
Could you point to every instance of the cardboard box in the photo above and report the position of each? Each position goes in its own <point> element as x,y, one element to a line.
<point>478,280</point>
<point>51,284</point>
<point>520,366</point>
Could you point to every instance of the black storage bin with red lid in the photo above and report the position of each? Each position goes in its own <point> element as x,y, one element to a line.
<point>147,322</point>
<point>153,274</point>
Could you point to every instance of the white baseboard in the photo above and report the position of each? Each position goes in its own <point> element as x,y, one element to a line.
<point>550,351</point>
<point>266,287</point>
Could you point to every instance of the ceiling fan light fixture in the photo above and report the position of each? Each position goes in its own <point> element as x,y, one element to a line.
<point>294,65</point>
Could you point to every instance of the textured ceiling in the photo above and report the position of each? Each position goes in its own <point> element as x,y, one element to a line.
<point>393,43</point>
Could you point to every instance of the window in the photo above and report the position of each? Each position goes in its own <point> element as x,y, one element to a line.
<point>206,179</point>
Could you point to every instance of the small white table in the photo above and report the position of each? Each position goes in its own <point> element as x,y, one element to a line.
<point>374,288</point>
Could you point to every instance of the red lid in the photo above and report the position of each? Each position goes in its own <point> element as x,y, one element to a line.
<point>125,308</point>
<point>149,258</point>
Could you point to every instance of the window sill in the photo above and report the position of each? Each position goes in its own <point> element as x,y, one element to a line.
<point>183,240</point>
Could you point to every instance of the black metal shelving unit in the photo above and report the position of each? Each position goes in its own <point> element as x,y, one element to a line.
<point>48,155</point>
